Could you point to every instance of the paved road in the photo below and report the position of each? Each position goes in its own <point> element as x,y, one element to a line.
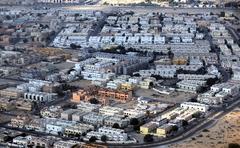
<point>233,32</point>
<point>7,113</point>
<point>225,75</point>
<point>12,80</point>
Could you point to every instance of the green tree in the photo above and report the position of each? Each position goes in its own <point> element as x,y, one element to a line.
<point>73,46</point>
<point>233,145</point>
<point>104,138</point>
<point>84,134</point>
<point>94,101</point>
<point>115,125</point>
<point>197,115</point>
<point>92,139</point>
<point>8,17</point>
<point>148,138</point>
<point>184,123</point>
<point>175,128</point>
<point>222,14</point>
<point>136,127</point>
<point>134,121</point>
<point>148,113</point>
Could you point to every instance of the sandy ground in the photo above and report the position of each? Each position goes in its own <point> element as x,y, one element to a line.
<point>226,131</point>
<point>176,97</point>
<point>81,83</point>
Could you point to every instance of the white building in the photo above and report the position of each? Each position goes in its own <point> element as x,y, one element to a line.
<point>78,116</point>
<point>56,126</point>
<point>40,96</point>
<point>196,106</point>
<point>159,40</point>
<point>113,85</point>
<point>20,141</point>
<point>65,144</point>
<point>94,41</point>
<point>94,118</point>
<point>96,75</point>
<point>112,134</point>
<point>210,100</point>
<point>132,113</point>
<point>67,114</point>
<point>111,111</point>
<point>88,107</point>
<point>132,40</point>
<point>146,39</point>
<point>177,67</point>
<point>236,73</point>
<point>121,121</point>
<point>59,1</point>
<point>78,129</point>
<point>191,85</point>
<point>165,72</point>
<point>194,76</point>
<point>135,80</point>
<point>226,89</point>
<point>231,89</point>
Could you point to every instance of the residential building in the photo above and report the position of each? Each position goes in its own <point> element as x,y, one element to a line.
<point>78,129</point>
<point>20,121</point>
<point>133,113</point>
<point>41,141</point>
<point>11,93</point>
<point>78,116</point>
<point>67,114</point>
<point>6,104</point>
<point>20,141</point>
<point>24,105</point>
<point>195,105</point>
<point>111,111</point>
<point>112,134</point>
<point>148,128</point>
<point>58,1</point>
<point>121,121</point>
<point>88,107</point>
<point>94,118</point>
<point>57,126</point>
<point>40,96</point>
<point>191,85</point>
<point>164,130</point>
<point>65,144</point>
<point>51,112</point>
<point>195,77</point>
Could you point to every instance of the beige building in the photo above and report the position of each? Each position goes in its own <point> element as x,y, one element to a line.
<point>20,121</point>
<point>148,128</point>
<point>45,142</point>
<point>51,112</point>
<point>6,104</point>
<point>164,130</point>
<point>11,93</point>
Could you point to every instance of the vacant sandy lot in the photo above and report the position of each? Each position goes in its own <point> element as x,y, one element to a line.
<point>226,131</point>
<point>81,83</point>
<point>176,97</point>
